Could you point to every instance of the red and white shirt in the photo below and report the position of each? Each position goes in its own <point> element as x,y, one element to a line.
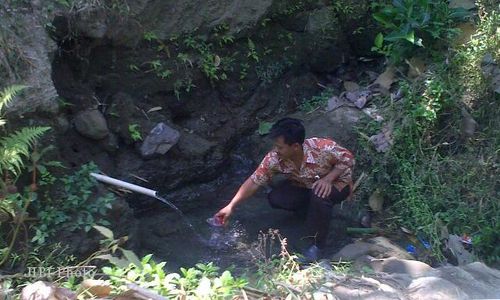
<point>320,157</point>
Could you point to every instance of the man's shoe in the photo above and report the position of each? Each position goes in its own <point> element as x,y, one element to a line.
<point>310,255</point>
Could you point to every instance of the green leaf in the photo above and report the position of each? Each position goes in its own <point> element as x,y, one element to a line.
<point>119,262</point>
<point>379,40</point>
<point>9,93</point>
<point>264,128</point>
<point>132,258</point>
<point>410,37</point>
<point>105,231</point>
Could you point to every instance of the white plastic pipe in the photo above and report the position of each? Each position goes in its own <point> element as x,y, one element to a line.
<point>126,185</point>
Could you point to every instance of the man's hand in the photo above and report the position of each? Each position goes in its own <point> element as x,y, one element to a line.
<point>223,215</point>
<point>322,187</point>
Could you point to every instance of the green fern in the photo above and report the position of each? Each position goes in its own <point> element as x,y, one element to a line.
<point>8,94</point>
<point>16,145</point>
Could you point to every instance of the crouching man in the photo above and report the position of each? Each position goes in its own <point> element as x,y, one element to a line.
<point>319,175</point>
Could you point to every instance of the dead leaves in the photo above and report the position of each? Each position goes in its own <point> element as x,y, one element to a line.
<point>386,79</point>
<point>384,140</point>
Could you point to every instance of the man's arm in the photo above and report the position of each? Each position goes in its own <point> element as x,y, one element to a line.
<point>246,190</point>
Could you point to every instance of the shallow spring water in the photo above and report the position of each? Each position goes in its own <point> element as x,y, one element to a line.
<point>236,245</point>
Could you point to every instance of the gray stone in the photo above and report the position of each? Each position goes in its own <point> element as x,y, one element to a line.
<point>320,20</point>
<point>194,145</point>
<point>338,124</point>
<point>41,290</point>
<point>379,247</point>
<point>160,140</point>
<point>403,266</point>
<point>434,288</point>
<point>92,124</point>
<point>91,22</point>
<point>456,247</point>
<point>110,143</point>
<point>353,251</point>
<point>33,48</point>
<point>486,275</point>
<point>186,16</point>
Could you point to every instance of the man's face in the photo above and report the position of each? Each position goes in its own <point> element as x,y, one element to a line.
<point>284,150</point>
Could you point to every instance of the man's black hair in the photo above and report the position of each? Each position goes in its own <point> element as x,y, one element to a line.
<point>290,129</point>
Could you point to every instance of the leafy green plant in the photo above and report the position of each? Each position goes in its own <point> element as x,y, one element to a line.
<point>278,271</point>
<point>264,127</point>
<point>77,209</point>
<point>244,70</point>
<point>134,131</point>
<point>316,101</point>
<point>185,84</point>
<point>410,25</point>
<point>16,145</point>
<point>133,67</point>
<point>200,282</point>
<point>252,51</point>
<point>150,36</point>
<point>272,71</point>
<point>13,148</point>
<point>439,178</point>
<point>221,33</point>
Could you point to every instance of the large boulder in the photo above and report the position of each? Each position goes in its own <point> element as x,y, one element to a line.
<point>378,247</point>
<point>161,138</point>
<point>435,288</point>
<point>31,65</point>
<point>92,124</point>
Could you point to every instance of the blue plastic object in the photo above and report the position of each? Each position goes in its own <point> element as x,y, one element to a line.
<point>424,242</point>
<point>411,249</point>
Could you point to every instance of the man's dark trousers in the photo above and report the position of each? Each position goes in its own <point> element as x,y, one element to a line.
<point>318,211</point>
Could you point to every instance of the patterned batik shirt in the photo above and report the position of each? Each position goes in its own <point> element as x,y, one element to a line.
<point>320,157</point>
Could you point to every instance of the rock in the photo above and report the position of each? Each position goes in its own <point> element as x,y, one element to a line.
<point>160,140</point>
<point>351,86</point>
<point>98,288</point>
<point>469,125</point>
<point>338,124</point>
<point>353,251</point>
<point>320,295</point>
<point>384,140</point>
<point>91,22</point>
<point>416,67</point>
<point>41,290</point>
<point>465,4</point>
<point>492,71</point>
<point>188,16</point>
<point>32,48</point>
<point>434,288</point>
<point>489,276</point>
<point>376,200</point>
<point>110,143</point>
<point>320,20</point>
<point>482,284</point>
<point>192,144</point>
<point>390,249</point>
<point>391,265</point>
<point>379,247</point>
<point>359,98</point>
<point>456,247</point>
<point>386,79</point>
<point>92,124</point>
<point>335,102</point>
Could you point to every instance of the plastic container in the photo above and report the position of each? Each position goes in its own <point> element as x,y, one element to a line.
<point>411,249</point>
<point>216,222</point>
